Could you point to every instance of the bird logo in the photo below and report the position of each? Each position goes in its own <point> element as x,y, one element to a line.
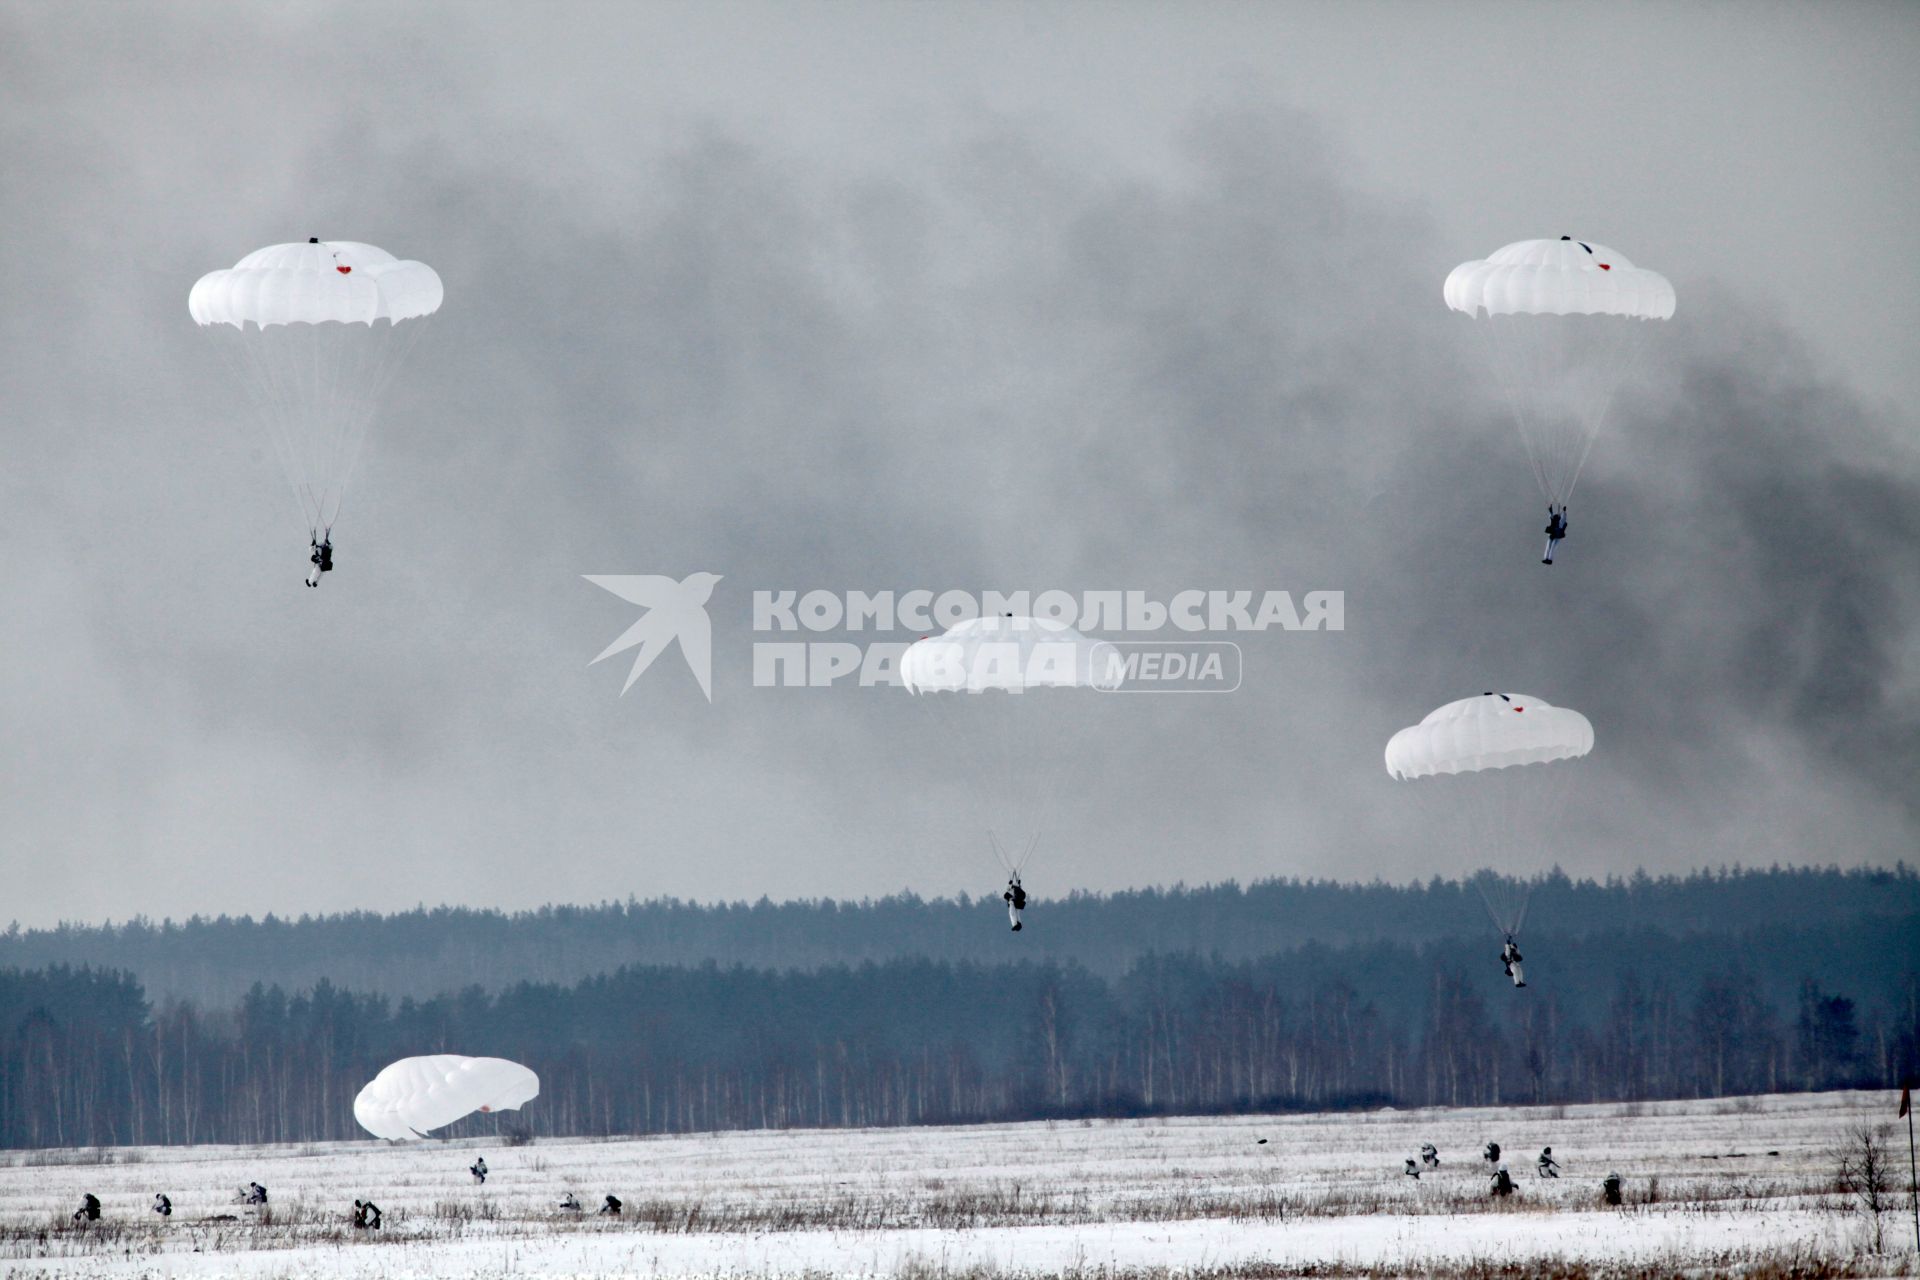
<point>674,611</point>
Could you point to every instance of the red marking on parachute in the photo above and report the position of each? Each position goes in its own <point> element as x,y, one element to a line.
<point>1518,710</point>
<point>343,270</point>
<point>1606,266</point>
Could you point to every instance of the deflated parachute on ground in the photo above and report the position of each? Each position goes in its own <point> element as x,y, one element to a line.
<point>1564,320</point>
<point>415,1096</point>
<point>316,332</point>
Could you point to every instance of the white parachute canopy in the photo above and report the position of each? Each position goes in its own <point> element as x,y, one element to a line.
<point>1006,691</point>
<point>414,1096</point>
<point>316,332</point>
<point>1498,770</point>
<point>1492,731</point>
<point>1564,320</point>
<point>1008,654</point>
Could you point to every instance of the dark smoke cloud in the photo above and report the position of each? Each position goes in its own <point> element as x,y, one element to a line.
<point>1004,364</point>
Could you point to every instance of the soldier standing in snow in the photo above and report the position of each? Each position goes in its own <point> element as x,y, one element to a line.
<point>479,1170</point>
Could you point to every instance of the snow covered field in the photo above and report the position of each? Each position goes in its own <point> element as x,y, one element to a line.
<point>1717,1187</point>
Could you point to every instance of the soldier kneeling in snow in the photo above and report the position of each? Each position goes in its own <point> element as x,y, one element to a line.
<point>1429,1155</point>
<point>162,1205</point>
<point>1502,1183</point>
<point>612,1206</point>
<point>366,1215</point>
<point>89,1210</point>
<point>1549,1167</point>
<point>1412,1170</point>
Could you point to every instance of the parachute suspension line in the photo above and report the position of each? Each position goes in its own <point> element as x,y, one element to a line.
<point>304,368</point>
<point>380,362</point>
<point>1505,899</point>
<point>1494,830</point>
<point>1560,376</point>
<point>341,410</point>
<point>394,354</point>
<point>975,742</point>
<point>986,730</point>
<point>284,394</point>
<point>1020,768</point>
<point>1557,431</point>
<point>1012,865</point>
<point>1011,774</point>
<point>300,433</point>
<point>333,347</point>
<point>1548,436</point>
<point>317,387</point>
<point>1520,366</point>
<point>1499,360</point>
<point>999,851</point>
<point>1507,822</point>
<point>1624,358</point>
<point>1533,797</point>
<point>1003,797</point>
<point>1486,900</point>
<point>264,387</point>
<point>1043,787</point>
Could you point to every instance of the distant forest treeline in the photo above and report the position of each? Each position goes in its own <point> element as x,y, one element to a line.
<point>425,952</point>
<point>1622,1012</point>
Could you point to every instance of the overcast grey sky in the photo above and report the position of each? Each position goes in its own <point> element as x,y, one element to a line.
<point>850,296</point>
